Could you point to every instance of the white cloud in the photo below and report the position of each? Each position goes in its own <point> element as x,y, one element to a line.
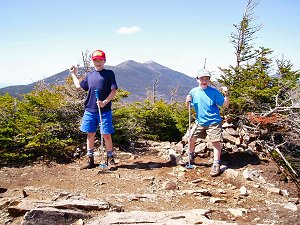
<point>128,30</point>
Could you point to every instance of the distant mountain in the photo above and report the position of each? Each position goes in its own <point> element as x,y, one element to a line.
<point>137,78</point>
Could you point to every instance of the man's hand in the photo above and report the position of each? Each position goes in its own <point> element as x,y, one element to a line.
<point>188,101</point>
<point>225,91</point>
<point>188,98</point>
<point>73,69</point>
<point>73,73</point>
<point>102,103</point>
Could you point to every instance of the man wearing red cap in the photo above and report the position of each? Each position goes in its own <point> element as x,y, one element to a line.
<point>104,82</point>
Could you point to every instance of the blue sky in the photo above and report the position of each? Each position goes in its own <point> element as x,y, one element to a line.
<point>41,38</point>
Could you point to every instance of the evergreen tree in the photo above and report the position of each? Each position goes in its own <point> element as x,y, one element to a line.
<point>242,38</point>
<point>251,86</point>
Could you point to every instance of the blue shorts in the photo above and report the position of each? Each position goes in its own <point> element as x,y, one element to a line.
<point>91,120</point>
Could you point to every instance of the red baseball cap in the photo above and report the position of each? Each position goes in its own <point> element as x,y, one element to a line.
<point>98,54</point>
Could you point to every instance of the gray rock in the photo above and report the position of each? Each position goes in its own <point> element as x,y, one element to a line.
<point>291,206</point>
<point>195,216</point>
<point>53,216</point>
<point>244,191</point>
<point>204,192</point>
<point>217,200</point>
<point>237,212</point>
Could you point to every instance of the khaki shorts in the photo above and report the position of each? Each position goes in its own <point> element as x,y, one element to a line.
<point>213,132</point>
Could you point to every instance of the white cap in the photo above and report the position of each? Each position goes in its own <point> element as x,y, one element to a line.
<point>203,73</point>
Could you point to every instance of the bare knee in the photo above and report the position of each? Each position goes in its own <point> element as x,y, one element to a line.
<point>107,136</point>
<point>217,145</point>
<point>90,135</point>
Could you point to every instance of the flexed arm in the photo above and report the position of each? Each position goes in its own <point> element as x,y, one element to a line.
<point>73,72</point>
<point>110,97</point>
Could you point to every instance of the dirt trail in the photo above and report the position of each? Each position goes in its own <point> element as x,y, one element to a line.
<point>147,181</point>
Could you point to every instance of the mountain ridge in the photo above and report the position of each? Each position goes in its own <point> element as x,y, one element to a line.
<point>137,78</point>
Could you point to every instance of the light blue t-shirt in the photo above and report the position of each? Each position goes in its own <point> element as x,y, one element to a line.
<point>206,103</point>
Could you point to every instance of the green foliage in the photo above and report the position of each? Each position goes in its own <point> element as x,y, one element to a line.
<point>253,88</point>
<point>7,119</point>
<point>41,124</point>
<point>250,82</point>
<point>40,109</point>
<point>159,123</point>
<point>288,81</point>
<point>120,95</point>
<point>244,34</point>
<point>125,123</point>
<point>249,85</point>
<point>46,122</point>
<point>147,120</point>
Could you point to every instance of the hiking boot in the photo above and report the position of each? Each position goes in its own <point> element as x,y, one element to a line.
<point>90,164</point>
<point>173,160</point>
<point>215,170</point>
<point>192,156</point>
<point>192,159</point>
<point>111,161</point>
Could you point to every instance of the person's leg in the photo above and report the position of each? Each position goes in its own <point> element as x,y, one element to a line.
<point>217,145</point>
<point>89,126</point>
<point>215,135</point>
<point>197,131</point>
<point>192,143</point>
<point>90,140</point>
<point>109,149</point>
<point>107,131</point>
<point>108,144</point>
<point>217,150</point>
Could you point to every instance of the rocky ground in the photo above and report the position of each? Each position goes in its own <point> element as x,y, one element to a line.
<point>146,188</point>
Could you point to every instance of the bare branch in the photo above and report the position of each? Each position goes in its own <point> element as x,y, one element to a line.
<point>174,92</point>
<point>292,101</point>
<point>279,152</point>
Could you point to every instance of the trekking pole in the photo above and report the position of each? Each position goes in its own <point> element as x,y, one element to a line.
<point>189,166</point>
<point>101,165</point>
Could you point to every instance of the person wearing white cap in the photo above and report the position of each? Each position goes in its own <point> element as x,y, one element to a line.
<point>206,101</point>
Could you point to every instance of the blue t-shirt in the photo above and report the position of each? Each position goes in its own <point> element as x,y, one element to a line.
<point>103,81</point>
<point>206,103</point>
